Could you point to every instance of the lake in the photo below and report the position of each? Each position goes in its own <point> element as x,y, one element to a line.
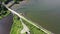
<point>43,12</point>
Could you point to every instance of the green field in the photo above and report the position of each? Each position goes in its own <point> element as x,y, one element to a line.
<point>16,26</point>
<point>33,29</point>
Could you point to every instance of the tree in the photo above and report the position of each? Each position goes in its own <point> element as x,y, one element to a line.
<point>17,1</point>
<point>3,0</point>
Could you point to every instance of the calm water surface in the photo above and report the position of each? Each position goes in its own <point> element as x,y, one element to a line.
<point>44,12</point>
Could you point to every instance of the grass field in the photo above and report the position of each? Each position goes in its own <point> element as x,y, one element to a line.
<point>16,26</point>
<point>33,29</point>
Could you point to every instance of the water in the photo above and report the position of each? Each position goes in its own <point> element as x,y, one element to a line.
<point>43,12</point>
<point>5,24</point>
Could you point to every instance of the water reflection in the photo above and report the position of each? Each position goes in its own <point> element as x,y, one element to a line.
<point>5,24</point>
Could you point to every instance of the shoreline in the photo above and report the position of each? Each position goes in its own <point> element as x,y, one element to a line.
<point>46,31</point>
<point>17,6</point>
<point>34,24</point>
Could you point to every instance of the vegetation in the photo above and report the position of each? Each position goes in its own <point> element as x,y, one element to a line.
<point>16,26</point>
<point>17,1</point>
<point>33,29</point>
<point>3,11</point>
<point>3,0</point>
<point>6,1</point>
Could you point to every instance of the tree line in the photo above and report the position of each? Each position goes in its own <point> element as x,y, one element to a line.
<point>6,1</point>
<point>3,10</point>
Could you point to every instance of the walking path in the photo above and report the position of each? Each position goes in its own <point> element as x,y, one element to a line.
<point>25,28</point>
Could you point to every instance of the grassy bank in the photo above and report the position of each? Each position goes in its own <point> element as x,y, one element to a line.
<point>3,11</point>
<point>4,14</point>
<point>33,29</point>
<point>16,26</point>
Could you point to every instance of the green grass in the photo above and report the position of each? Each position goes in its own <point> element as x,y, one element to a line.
<point>4,15</point>
<point>16,26</point>
<point>25,33</point>
<point>33,29</point>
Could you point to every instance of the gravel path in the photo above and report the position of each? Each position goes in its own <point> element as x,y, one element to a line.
<point>25,28</point>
